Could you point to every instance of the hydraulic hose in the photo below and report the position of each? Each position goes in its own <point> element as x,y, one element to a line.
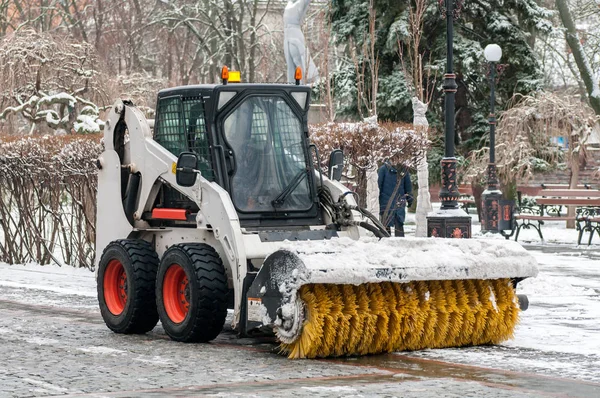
<point>376,231</point>
<point>370,215</point>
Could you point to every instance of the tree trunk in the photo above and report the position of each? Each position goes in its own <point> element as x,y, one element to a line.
<point>580,58</point>
<point>477,192</point>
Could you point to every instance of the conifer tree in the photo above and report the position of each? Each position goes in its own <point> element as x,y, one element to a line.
<point>510,23</point>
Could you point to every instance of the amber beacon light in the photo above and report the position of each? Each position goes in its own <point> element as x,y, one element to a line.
<point>298,75</point>
<point>225,74</point>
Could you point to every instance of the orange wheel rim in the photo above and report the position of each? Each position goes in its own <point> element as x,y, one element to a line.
<point>176,293</point>
<point>115,287</point>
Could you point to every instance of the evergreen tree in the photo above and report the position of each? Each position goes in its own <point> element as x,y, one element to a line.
<point>512,24</point>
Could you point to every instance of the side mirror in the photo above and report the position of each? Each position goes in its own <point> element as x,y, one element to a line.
<point>336,164</point>
<point>187,169</point>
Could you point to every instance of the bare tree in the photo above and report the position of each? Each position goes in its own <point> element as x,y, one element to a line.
<point>583,65</point>
<point>524,135</point>
<point>48,80</point>
<point>48,200</point>
<point>366,67</point>
<point>421,81</point>
<point>225,32</point>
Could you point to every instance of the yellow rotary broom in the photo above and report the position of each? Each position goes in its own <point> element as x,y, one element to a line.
<point>344,297</point>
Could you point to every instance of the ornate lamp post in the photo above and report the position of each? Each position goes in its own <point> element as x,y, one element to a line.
<point>492,195</point>
<point>449,221</point>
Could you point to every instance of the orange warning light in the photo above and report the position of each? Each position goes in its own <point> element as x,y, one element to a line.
<point>298,74</point>
<point>225,74</point>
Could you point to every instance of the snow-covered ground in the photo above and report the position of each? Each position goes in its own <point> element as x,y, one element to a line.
<point>559,335</point>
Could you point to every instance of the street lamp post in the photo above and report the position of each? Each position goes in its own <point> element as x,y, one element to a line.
<point>449,221</point>
<point>492,195</point>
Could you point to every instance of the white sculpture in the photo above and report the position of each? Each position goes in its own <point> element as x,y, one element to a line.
<point>423,198</point>
<point>296,53</point>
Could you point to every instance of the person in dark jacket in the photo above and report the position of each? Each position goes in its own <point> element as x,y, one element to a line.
<point>395,193</point>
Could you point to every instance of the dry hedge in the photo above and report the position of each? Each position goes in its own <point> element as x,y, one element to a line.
<point>48,199</point>
<point>367,145</point>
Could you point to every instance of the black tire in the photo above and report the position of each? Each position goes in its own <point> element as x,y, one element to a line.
<point>205,292</point>
<point>139,262</point>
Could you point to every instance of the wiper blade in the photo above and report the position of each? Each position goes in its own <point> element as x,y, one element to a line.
<point>280,199</point>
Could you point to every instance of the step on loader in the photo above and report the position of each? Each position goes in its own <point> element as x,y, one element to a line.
<point>220,206</point>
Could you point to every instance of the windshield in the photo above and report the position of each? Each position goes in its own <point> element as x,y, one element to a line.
<point>266,138</point>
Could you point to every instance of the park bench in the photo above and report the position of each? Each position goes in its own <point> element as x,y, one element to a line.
<point>549,204</point>
<point>534,190</point>
<point>590,217</point>
<point>466,199</point>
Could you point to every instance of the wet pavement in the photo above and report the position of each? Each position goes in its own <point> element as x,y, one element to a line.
<point>56,344</point>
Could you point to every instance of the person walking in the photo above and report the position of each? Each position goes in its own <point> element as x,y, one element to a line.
<point>395,193</point>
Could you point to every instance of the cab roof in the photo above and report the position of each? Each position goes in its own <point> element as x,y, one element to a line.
<point>196,88</point>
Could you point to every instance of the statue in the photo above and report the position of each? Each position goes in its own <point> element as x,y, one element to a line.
<point>294,45</point>
<point>423,197</point>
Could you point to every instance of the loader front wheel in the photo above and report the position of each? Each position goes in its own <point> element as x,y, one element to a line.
<point>191,292</point>
<point>126,283</point>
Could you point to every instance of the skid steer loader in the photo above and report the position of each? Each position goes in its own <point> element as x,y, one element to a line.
<point>220,206</point>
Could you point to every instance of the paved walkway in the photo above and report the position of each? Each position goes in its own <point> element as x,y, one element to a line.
<point>54,342</point>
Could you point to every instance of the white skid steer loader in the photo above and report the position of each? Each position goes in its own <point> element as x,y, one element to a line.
<point>220,207</point>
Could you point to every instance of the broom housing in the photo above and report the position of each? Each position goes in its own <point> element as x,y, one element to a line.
<point>345,297</point>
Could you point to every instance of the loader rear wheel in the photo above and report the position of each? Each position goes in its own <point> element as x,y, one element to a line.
<point>126,283</point>
<point>191,292</point>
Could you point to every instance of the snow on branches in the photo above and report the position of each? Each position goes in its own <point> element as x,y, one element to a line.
<point>48,199</point>
<point>47,79</point>
<point>524,138</point>
<point>367,144</point>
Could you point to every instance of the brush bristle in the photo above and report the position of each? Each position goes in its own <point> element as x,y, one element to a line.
<point>372,318</point>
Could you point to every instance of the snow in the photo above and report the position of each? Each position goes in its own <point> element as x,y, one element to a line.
<point>51,278</point>
<point>86,124</point>
<point>59,97</point>
<point>493,299</point>
<point>332,389</point>
<point>564,311</point>
<point>558,334</point>
<point>343,260</point>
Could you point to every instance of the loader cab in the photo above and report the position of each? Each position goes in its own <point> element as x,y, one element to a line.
<point>252,140</point>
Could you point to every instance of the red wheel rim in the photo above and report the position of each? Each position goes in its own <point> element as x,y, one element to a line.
<point>115,287</point>
<point>176,293</point>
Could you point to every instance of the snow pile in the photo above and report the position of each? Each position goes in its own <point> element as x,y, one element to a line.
<point>343,260</point>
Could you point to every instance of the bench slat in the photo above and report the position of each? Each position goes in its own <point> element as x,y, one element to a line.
<point>534,190</point>
<point>571,193</point>
<point>568,201</point>
<point>542,218</point>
